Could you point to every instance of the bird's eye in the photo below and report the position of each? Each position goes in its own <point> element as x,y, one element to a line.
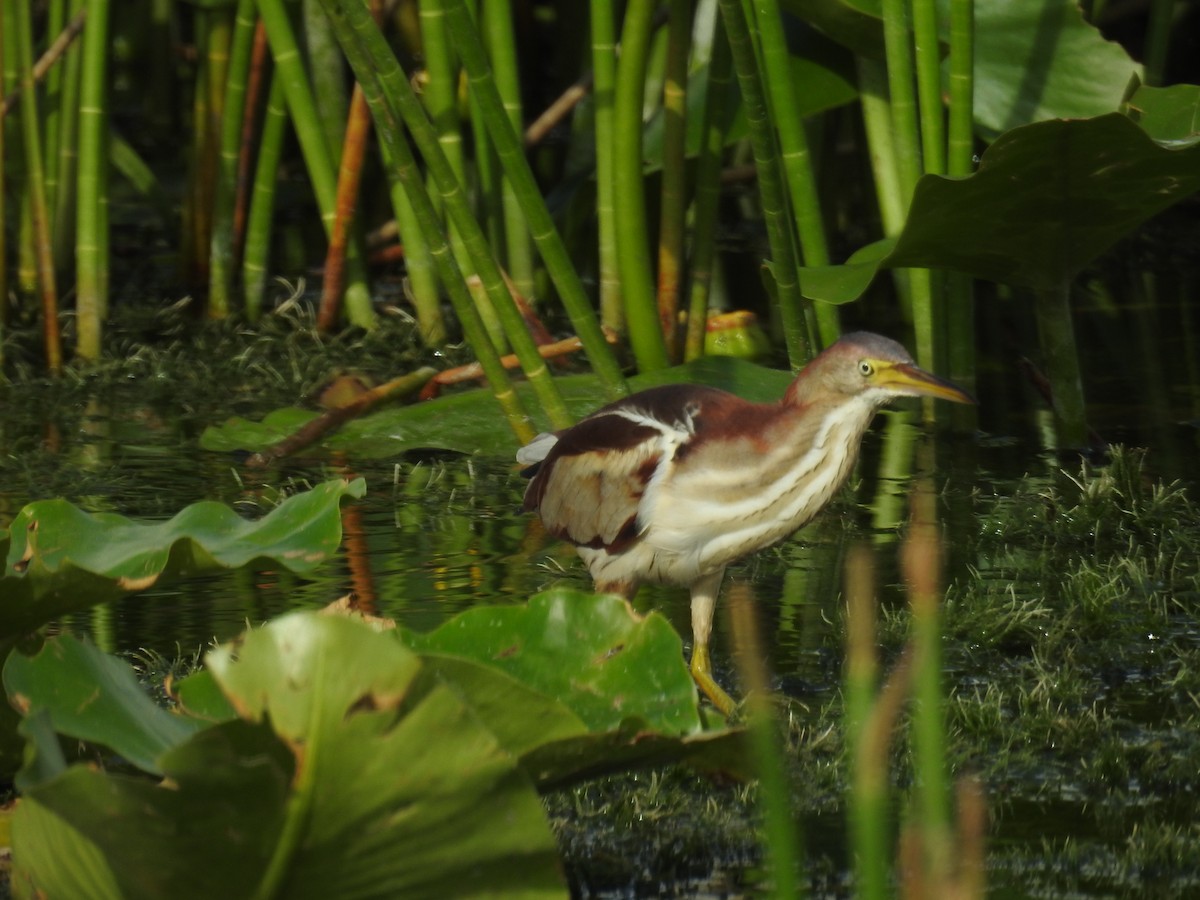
<point>865,369</point>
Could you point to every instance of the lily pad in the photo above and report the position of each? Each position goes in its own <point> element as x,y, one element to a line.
<point>60,559</point>
<point>590,652</point>
<point>94,697</point>
<point>348,773</point>
<point>468,422</point>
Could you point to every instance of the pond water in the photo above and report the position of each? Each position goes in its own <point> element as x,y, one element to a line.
<point>439,533</point>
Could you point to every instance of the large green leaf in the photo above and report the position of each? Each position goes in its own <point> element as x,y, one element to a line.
<point>60,559</point>
<point>469,422</point>
<point>1170,115</point>
<point>590,652</point>
<point>350,773</point>
<point>1047,200</point>
<point>95,697</point>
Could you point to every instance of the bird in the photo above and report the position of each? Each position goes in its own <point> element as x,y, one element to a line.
<point>672,484</point>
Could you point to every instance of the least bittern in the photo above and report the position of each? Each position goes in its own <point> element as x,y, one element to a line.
<point>673,484</point>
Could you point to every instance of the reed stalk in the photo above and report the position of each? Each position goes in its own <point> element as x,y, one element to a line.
<point>717,108</point>
<point>510,149</point>
<point>91,235</point>
<point>629,198</point>
<point>262,199</point>
<point>604,75</point>
<point>1056,335</point>
<point>66,150</point>
<point>673,205</point>
<point>392,101</point>
<point>3,205</point>
<point>327,70</point>
<point>496,19</point>
<point>960,161</point>
<point>317,156</point>
<point>800,177</point>
<point>35,184</point>
<point>797,332</point>
<point>222,256</point>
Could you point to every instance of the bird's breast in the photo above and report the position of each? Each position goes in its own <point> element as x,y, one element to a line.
<point>731,496</point>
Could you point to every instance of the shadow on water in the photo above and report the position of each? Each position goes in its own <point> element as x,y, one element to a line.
<point>1078,712</point>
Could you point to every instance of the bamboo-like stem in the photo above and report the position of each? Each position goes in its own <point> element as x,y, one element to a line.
<point>784,849</point>
<point>881,145</point>
<point>45,68</point>
<point>496,17</point>
<point>604,75</point>
<point>256,97</point>
<point>327,71</point>
<point>960,161</point>
<point>222,258</point>
<point>262,199</point>
<point>390,97</point>
<point>673,208</point>
<point>398,91</point>
<point>67,151</point>
<point>901,79</point>
<point>510,149</point>
<point>796,332</point>
<point>800,177</point>
<point>91,238</point>
<point>419,264</point>
<point>3,202</point>
<point>35,184</point>
<point>929,86</point>
<point>357,132</point>
<point>629,198</point>
<point>868,799</point>
<point>921,559</point>
<point>314,148</point>
<point>708,188</point>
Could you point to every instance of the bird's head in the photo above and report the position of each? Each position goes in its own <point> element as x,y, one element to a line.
<point>870,366</point>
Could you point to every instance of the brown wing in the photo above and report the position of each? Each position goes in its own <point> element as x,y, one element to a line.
<point>588,487</point>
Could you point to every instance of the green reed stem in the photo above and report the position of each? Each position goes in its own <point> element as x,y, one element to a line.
<point>262,199</point>
<point>497,27</point>
<point>784,849</point>
<point>673,206</point>
<point>783,268</point>
<point>66,150</point>
<point>419,265</point>
<point>390,97</point>
<point>929,86</point>
<point>800,178</point>
<point>1158,40</point>
<point>91,235</point>
<point>960,161</point>
<point>921,562</point>
<point>52,114</point>
<point>868,814</point>
<point>629,199</point>
<point>5,13</point>
<point>511,151</point>
<point>604,76</point>
<point>317,156</point>
<point>327,71</point>
<point>222,254</point>
<point>718,109</point>
<point>35,184</point>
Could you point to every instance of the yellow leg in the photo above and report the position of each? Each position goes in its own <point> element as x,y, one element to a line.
<point>704,602</point>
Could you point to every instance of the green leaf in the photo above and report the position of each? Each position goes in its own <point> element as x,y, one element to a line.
<point>94,697</point>
<point>592,653</point>
<point>1047,200</point>
<point>60,559</point>
<point>351,773</point>
<point>847,282</point>
<point>1170,115</point>
<point>469,422</point>
<point>1039,59</point>
<point>52,859</point>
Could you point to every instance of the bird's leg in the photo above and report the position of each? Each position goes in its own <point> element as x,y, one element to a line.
<point>704,601</point>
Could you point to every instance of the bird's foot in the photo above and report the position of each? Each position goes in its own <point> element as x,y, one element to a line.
<point>702,674</point>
